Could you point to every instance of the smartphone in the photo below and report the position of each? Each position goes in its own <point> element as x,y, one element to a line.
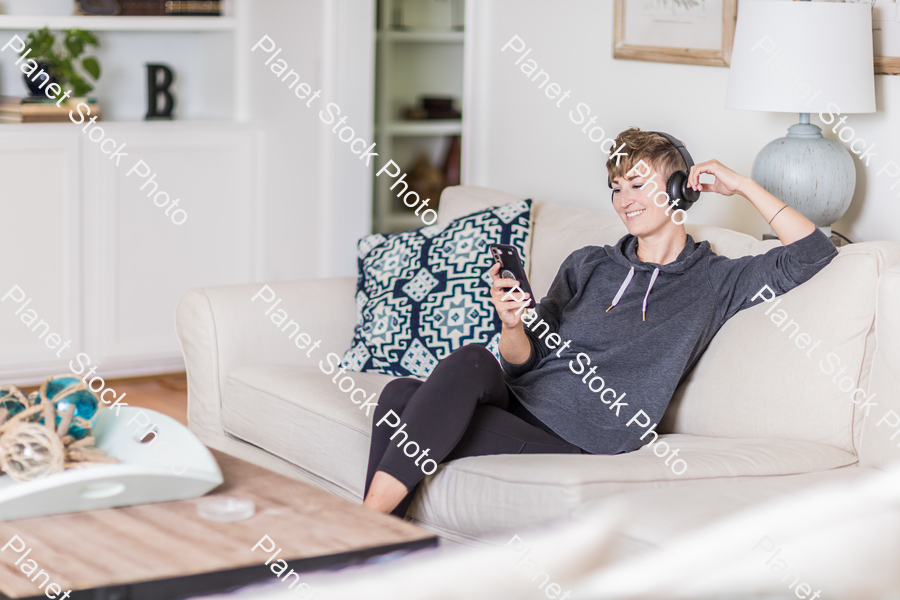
<point>512,267</point>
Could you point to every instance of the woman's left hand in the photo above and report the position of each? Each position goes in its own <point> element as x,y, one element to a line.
<point>727,181</point>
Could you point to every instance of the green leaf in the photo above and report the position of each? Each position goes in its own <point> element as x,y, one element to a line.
<point>85,37</point>
<point>64,72</point>
<point>80,87</point>
<point>45,39</point>
<point>43,46</point>
<point>91,65</point>
<point>29,43</point>
<point>75,46</point>
<point>41,43</point>
<point>88,38</point>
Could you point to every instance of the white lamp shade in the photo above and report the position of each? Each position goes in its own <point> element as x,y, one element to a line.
<point>802,56</point>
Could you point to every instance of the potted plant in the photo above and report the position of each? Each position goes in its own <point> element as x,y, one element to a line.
<point>60,60</point>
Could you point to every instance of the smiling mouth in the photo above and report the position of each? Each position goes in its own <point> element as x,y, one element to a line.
<point>634,214</point>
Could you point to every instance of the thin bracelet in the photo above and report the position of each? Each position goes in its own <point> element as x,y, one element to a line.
<point>776,214</point>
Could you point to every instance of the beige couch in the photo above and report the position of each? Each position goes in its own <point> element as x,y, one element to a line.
<point>755,419</point>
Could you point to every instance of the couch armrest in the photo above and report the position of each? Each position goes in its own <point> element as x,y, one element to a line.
<point>221,328</point>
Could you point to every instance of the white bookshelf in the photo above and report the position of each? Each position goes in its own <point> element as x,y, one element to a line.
<point>415,61</point>
<point>103,23</point>
<point>437,127</point>
<point>427,36</point>
<point>404,222</point>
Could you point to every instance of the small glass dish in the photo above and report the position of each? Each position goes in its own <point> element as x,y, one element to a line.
<point>226,508</point>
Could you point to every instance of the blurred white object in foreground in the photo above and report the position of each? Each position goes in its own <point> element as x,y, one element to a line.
<point>842,540</point>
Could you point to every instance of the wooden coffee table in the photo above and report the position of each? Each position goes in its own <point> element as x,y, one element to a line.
<point>165,550</point>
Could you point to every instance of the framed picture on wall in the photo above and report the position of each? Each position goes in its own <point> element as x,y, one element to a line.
<point>693,32</point>
<point>885,35</point>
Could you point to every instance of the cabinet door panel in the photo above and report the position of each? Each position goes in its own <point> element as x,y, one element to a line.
<point>138,260</point>
<point>40,213</point>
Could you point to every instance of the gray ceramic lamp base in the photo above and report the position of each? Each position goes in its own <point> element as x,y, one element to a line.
<point>810,173</point>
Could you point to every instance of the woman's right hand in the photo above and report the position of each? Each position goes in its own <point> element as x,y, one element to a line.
<point>507,309</point>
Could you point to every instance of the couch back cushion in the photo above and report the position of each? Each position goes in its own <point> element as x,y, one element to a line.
<point>761,378</point>
<point>880,443</point>
<point>753,381</point>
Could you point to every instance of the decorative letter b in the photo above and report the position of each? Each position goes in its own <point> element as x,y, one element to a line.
<point>155,88</point>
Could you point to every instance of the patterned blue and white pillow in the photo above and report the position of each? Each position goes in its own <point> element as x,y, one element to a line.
<point>422,294</point>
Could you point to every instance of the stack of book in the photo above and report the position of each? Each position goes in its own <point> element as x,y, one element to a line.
<point>142,8</point>
<point>40,109</point>
<point>206,8</point>
<point>198,8</point>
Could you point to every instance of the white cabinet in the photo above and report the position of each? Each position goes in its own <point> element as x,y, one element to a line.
<point>109,264</point>
<point>40,214</point>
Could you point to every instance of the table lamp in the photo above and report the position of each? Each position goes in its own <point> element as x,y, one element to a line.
<point>805,57</point>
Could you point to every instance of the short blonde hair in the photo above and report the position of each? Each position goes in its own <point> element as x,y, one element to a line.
<point>650,147</point>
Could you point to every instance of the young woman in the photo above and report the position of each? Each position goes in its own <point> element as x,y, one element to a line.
<point>643,310</point>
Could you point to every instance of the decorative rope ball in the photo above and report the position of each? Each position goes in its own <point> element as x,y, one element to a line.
<point>29,451</point>
<point>12,400</point>
<point>51,386</point>
<point>65,391</point>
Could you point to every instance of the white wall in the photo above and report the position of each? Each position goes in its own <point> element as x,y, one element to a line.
<point>517,140</point>
<point>318,192</point>
<point>354,92</point>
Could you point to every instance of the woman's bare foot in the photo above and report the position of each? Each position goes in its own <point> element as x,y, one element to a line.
<point>385,493</point>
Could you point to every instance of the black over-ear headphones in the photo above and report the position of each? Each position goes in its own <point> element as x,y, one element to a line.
<point>680,195</point>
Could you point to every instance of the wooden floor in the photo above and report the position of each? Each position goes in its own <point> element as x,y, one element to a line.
<point>163,393</point>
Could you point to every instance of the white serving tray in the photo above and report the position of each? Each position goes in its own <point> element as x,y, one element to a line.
<point>143,475</point>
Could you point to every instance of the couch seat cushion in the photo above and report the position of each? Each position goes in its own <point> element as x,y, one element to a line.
<point>514,491</point>
<point>298,414</point>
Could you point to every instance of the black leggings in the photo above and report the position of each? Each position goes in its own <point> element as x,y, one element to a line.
<point>464,408</point>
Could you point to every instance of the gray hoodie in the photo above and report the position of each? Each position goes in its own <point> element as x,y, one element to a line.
<point>638,363</point>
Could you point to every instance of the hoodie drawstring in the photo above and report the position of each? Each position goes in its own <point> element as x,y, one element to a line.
<point>624,286</point>
<point>647,295</point>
